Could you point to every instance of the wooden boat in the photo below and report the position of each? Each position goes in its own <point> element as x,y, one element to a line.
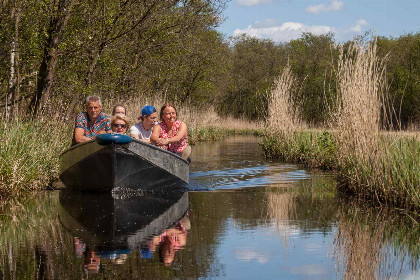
<point>116,160</point>
<point>109,223</point>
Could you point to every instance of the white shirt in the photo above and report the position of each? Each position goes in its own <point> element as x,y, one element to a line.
<point>137,129</point>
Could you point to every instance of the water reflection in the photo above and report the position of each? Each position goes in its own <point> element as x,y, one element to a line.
<point>105,227</point>
<point>376,243</point>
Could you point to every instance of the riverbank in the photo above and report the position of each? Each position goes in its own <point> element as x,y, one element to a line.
<point>30,150</point>
<point>389,175</point>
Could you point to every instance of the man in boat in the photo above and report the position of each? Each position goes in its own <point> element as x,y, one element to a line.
<point>91,123</point>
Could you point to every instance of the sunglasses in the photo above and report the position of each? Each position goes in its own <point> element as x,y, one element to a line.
<point>119,125</point>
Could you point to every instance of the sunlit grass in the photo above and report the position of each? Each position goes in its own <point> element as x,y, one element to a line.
<point>29,154</point>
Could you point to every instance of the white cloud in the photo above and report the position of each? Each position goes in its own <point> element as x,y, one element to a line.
<point>334,5</point>
<point>249,255</point>
<point>250,3</point>
<point>310,269</point>
<point>359,24</point>
<point>281,32</point>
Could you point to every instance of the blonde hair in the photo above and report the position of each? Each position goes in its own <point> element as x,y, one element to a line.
<point>120,117</point>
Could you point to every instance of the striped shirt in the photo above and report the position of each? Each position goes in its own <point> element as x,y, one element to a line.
<point>102,123</point>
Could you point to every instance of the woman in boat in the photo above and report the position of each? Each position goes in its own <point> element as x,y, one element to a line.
<point>143,129</point>
<point>120,124</point>
<point>171,134</point>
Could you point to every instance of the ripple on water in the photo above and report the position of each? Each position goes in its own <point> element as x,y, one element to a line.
<point>254,176</point>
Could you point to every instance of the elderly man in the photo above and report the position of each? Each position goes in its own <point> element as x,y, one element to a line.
<point>91,123</point>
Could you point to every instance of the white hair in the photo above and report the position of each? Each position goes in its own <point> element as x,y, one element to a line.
<point>93,98</point>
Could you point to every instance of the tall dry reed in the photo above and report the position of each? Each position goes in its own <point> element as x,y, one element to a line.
<point>361,77</point>
<point>384,168</point>
<point>281,119</point>
<point>203,121</point>
<point>283,125</point>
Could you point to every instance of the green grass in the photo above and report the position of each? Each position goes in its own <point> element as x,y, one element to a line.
<point>29,154</point>
<point>210,133</point>
<point>312,149</point>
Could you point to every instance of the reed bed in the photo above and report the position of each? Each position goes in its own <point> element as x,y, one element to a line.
<point>386,169</point>
<point>204,124</point>
<point>29,153</point>
<point>383,166</point>
<point>282,124</point>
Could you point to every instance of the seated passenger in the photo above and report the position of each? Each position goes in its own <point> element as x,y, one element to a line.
<point>171,134</point>
<point>143,129</point>
<point>120,124</point>
<point>91,123</point>
<point>119,109</point>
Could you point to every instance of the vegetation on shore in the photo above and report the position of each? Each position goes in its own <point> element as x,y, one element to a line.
<point>382,167</point>
<point>29,154</point>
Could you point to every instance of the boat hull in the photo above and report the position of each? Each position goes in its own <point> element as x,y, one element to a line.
<point>136,165</point>
<point>105,222</point>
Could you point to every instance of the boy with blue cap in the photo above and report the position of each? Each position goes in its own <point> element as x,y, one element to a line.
<point>143,129</point>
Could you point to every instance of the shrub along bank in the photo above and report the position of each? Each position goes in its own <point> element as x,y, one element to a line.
<point>390,176</point>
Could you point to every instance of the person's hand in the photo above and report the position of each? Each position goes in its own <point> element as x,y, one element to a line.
<point>162,142</point>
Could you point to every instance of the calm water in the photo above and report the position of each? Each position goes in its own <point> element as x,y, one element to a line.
<point>243,218</point>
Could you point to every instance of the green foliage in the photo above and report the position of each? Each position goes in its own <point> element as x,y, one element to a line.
<point>255,65</point>
<point>403,70</point>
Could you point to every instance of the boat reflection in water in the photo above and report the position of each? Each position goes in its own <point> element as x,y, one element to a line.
<point>107,226</point>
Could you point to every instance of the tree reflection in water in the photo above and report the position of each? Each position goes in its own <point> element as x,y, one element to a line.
<point>375,243</point>
<point>368,243</point>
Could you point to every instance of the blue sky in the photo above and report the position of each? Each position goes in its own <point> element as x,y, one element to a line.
<point>283,20</point>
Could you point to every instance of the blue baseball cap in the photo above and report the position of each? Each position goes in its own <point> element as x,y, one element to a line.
<point>147,110</point>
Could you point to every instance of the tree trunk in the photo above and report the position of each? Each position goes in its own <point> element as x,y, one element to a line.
<point>12,81</point>
<point>48,65</point>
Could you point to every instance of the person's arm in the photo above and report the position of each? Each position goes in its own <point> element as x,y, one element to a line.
<point>79,135</point>
<point>182,132</point>
<point>155,135</point>
<point>145,140</point>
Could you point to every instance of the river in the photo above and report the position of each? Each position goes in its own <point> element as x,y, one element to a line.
<point>243,218</point>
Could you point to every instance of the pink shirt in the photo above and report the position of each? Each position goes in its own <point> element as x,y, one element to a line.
<point>176,147</point>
